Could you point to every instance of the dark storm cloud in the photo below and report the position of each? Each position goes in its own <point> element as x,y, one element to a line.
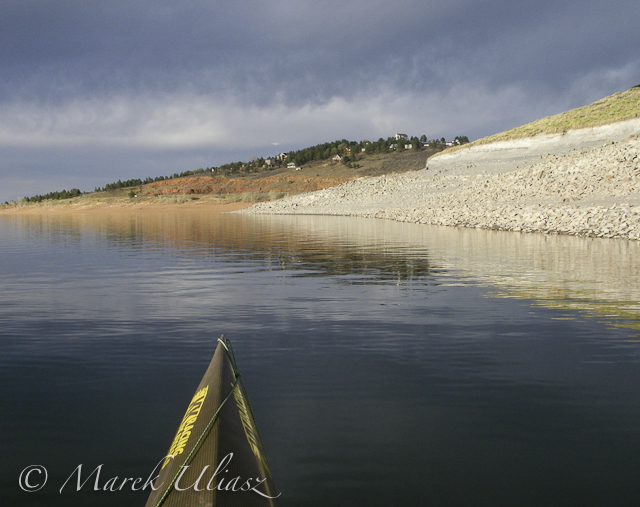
<point>223,76</point>
<point>307,51</point>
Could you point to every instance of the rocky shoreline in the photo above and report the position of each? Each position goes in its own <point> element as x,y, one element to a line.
<point>584,182</point>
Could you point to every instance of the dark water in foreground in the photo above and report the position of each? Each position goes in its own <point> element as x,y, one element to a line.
<point>387,364</point>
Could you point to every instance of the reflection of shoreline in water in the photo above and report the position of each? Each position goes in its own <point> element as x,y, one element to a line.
<point>597,276</point>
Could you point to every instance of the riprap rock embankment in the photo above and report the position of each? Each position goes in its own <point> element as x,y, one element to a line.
<point>584,182</point>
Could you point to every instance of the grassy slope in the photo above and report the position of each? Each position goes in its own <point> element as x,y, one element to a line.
<point>615,108</point>
<point>274,184</point>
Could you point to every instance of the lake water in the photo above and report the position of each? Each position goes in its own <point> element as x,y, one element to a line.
<point>387,364</point>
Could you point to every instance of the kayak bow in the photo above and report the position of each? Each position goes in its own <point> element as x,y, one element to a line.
<point>216,458</point>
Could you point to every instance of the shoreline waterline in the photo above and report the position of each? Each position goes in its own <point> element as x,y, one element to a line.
<point>120,207</point>
<point>546,185</point>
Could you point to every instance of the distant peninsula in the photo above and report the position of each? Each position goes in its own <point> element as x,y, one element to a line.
<point>259,179</point>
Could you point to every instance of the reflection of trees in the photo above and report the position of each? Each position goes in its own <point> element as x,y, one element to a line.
<point>367,267</point>
<point>233,238</point>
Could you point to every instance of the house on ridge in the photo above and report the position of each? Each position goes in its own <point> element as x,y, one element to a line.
<point>271,162</point>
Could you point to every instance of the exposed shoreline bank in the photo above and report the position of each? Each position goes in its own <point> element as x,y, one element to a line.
<point>584,182</point>
<point>122,206</point>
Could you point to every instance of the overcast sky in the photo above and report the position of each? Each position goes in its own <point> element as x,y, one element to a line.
<point>91,92</point>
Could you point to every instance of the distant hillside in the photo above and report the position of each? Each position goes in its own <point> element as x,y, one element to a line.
<point>268,185</point>
<point>345,160</point>
<point>617,107</point>
<point>239,186</point>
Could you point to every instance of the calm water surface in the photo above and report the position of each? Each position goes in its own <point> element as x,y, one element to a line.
<point>387,364</point>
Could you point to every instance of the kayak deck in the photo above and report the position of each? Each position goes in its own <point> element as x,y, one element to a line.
<point>216,457</point>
